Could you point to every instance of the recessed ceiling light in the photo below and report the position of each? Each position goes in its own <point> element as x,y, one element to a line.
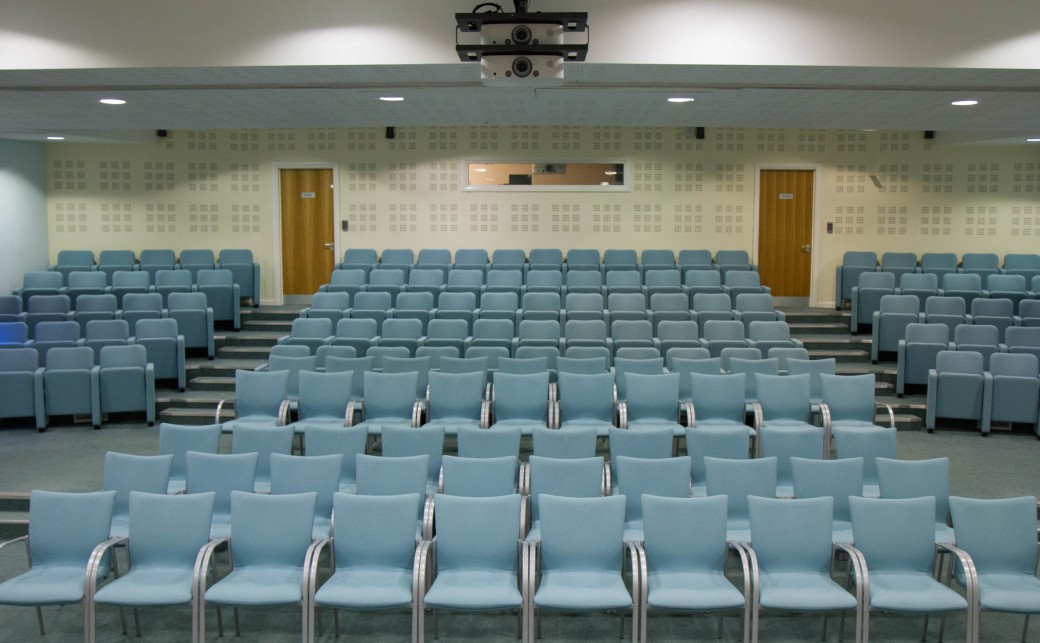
<point>112,101</point>
<point>611,173</point>
<point>391,99</point>
<point>55,138</point>
<point>964,103</point>
<point>680,99</point>
<point>1033,140</point>
<point>480,169</point>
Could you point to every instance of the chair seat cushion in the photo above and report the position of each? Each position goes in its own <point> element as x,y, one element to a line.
<point>912,592</point>
<point>582,590</point>
<point>803,592</point>
<point>258,586</point>
<point>366,589</point>
<point>151,586</point>
<point>474,590</point>
<point>44,586</point>
<point>691,590</point>
<point>1019,593</point>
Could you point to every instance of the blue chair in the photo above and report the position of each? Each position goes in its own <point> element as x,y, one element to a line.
<point>406,333</point>
<point>70,261</point>
<point>244,271</point>
<point>21,379</point>
<point>561,472</point>
<point>590,281</point>
<point>522,401</point>
<point>152,261</point>
<point>639,478</point>
<point>728,260</point>
<point>994,312</point>
<point>950,311</point>
<point>658,259</point>
<point>1028,309</point>
<point>261,399</point>
<point>264,441</point>
<point>939,263</point>
<point>292,474</point>
<point>767,335</point>
<point>389,281</point>
<point>718,400</point>
<point>895,540</point>
<point>426,280</point>
<point>652,402</point>
<point>866,297</point>
<point>663,282</point>
<point>966,286</point>
<point>634,336</point>
<point>360,334</point>
<point>194,319</point>
<point>294,366</point>
<point>998,535</point>
<point>1010,286</point>
<point>164,348</point>
<point>958,388</point>
<point>71,384</point>
<point>105,332</point>
<point>648,444</point>
<point>65,530</point>
<point>1023,340</point>
<point>222,294</point>
<point>545,259</point>
<point>374,551</point>
<point>195,261</point>
<point>898,263</point>
<point>323,399</point>
<point>919,479</point>
<point>792,558</point>
<point>127,282</point>
<point>270,551</point>
<point>684,551</point>
<point>348,442</point>
<point>47,308</point>
<point>980,338</point>
<point>699,260</point>
<point>458,306</point>
<point>54,334</point>
<point>579,563</point>
<point>915,354</point>
<point>404,442</point>
<point>889,324</point>
<point>586,400</point>
<point>419,306</point>
<point>839,480</point>
<point>751,307</point>
<point>10,308</point>
<point>170,281</point>
<point>740,282</point>
<point>920,285</point>
<point>349,281</point>
<point>39,282</point>
<point>474,562</point>
<point>853,264</point>
<point>386,476</point>
<point>482,477</point>
<point>718,335</point>
<point>471,259</point>
<point>358,259</point>
<point>504,280</point>
<point>463,280</point>
<point>677,335</point>
<point>93,307</point>
<point>713,442</point>
<point>166,534</point>
<point>124,473</point>
<point>389,401</point>
<point>1026,265</point>
<point>137,306</point>
<point>176,440</point>
<point>311,333</point>
<point>545,281</point>
<point>615,259</point>
<point>814,368</point>
<point>85,283</point>
<point>457,399</point>
<point>573,443</point>
<point>126,381</point>
<point>508,259</point>
<point>220,473</point>
<point>628,282</point>
<point>1015,391</point>
<point>782,422</point>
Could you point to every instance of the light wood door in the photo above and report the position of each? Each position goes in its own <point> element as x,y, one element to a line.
<point>785,216</point>
<point>308,231</point>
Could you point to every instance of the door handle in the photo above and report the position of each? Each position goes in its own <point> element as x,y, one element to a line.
<point>807,248</point>
<point>330,246</point>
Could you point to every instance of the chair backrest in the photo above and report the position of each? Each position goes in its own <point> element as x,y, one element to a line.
<point>54,331</point>
<point>1006,283</point>
<point>814,368</point>
<point>732,258</point>
<point>885,280</point>
<point>78,358</point>
<point>695,258</point>
<point>521,396</point>
<point>389,394</point>
<point>348,277</point>
<point>859,258</point>
<point>999,535</point>
<point>103,329</point>
<point>300,474</point>
<point>235,255</point>
<point>15,360</point>
<point>721,330</point>
<point>177,439</point>
<point>221,473</point>
<point>124,472</point>
<point>582,533</point>
<point>739,479</point>
<point>623,366</point>
<point>91,279</point>
<point>168,530</point>
<point>589,280</point>
<point>375,532</point>
<point>265,441</point>
<point>1000,307</point>
<point>260,393</point>
<point>1014,364</point>
<point>648,444</point>
<point>165,258</point>
<point>919,281</point>
<point>142,301</point>
<point>652,397</point>
<point>783,396</point>
<point>718,397</point>
<point>513,258</point>
<point>792,535</point>
<point>65,527</point>
<point>915,479</point>
<point>133,355</point>
<point>586,396</point>
<point>837,479</point>
<point>544,279</point>
<point>197,257</point>
<point>917,333</point>
<point>945,306</point>
<point>75,258</point>
<point>155,328</point>
<point>962,281</point>
<point>895,534</point>
<point>324,394</point>
<point>581,365</point>
<point>271,530</point>
<point>477,534</point>
<point>503,279</point>
<point>96,303</point>
<point>976,335</point>
<point>729,442</point>
<point>669,525</point>
<point>1022,337</point>
<point>623,280</point>
<point>479,477</point>
<point>389,476</point>
<point>521,366</point>
<point>849,397</point>
<point>959,362</point>
<point>131,279</point>
<point>402,442</point>
<point>49,304</point>
<point>456,395</point>
<point>900,304</point>
<point>658,257</point>
<point>703,279</point>
<point>481,443</point>
<point>572,443</point>
<point>742,279</point>
<point>666,477</point>
<point>333,300</point>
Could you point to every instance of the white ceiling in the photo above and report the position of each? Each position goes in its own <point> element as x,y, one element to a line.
<point>37,103</point>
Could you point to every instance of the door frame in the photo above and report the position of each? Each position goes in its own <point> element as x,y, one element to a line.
<point>814,255</point>
<point>276,209</point>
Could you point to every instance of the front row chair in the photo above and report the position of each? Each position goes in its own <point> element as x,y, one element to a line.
<point>64,531</point>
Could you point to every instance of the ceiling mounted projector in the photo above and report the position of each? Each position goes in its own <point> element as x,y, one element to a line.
<point>521,49</point>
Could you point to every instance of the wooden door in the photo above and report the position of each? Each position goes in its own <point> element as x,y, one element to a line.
<point>785,216</point>
<point>308,231</point>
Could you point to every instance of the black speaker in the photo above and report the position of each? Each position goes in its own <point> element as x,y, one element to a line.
<point>929,134</point>
<point>161,133</point>
<point>699,133</point>
<point>390,133</point>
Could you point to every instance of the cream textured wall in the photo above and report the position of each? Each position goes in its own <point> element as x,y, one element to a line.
<point>218,190</point>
